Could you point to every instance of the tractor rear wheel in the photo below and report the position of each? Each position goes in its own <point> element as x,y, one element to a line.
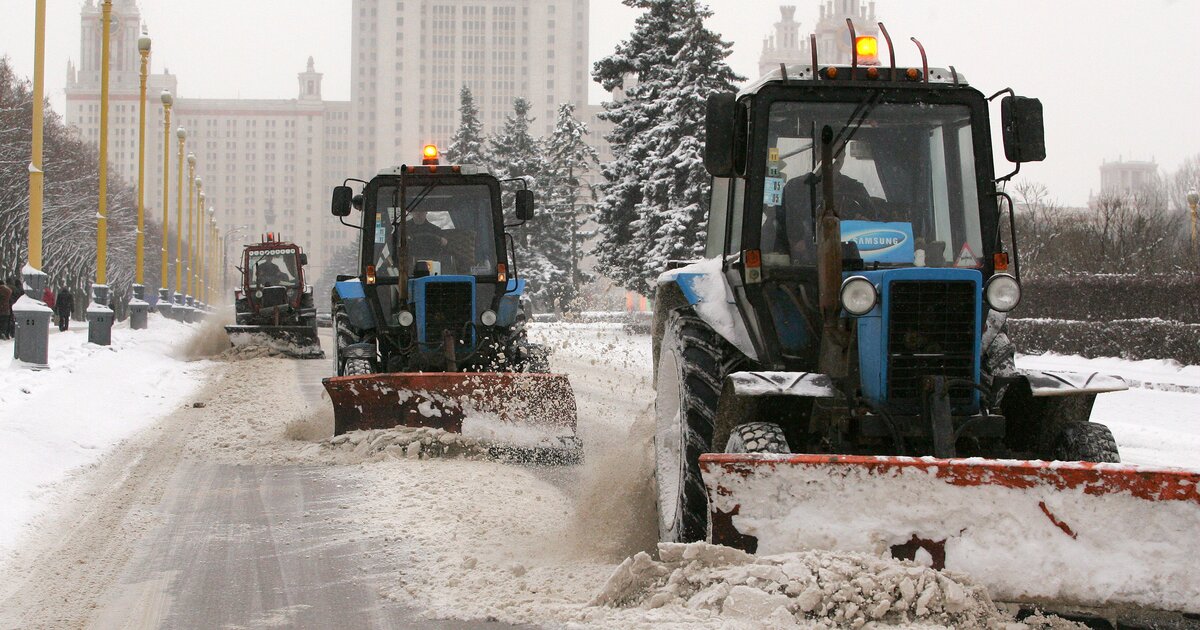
<point>1086,442</point>
<point>343,335</point>
<point>691,365</point>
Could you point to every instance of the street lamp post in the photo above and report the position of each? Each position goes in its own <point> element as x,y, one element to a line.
<point>1193,198</point>
<point>32,318</point>
<point>187,243</point>
<point>164,290</point>
<point>209,266</point>
<point>181,134</point>
<point>99,315</point>
<point>198,272</point>
<point>138,308</point>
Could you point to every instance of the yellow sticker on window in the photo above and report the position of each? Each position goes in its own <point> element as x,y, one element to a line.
<point>773,154</point>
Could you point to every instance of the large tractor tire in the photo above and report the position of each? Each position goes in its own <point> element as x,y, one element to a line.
<point>1086,442</point>
<point>343,336</point>
<point>757,437</point>
<point>358,367</point>
<point>691,367</point>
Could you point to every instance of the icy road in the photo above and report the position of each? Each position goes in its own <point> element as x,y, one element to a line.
<point>219,506</point>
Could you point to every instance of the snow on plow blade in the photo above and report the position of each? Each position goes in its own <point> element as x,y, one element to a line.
<point>294,341</point>
<point>526,412</point>
<point>1052,533</point>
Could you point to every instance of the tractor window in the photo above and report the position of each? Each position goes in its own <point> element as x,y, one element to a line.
<point>903,179</point>
<point>273,268</point>
<point>449,225</point>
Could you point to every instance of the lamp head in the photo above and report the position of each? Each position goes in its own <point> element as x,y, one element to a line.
<point>144,43</point>
<point>181,133</point>
<point>1193,197</point>
<point>167,99</point>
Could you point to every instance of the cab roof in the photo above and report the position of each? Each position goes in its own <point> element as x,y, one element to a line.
<point>872,74</point>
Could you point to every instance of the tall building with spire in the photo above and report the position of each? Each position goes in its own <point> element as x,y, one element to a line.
<point>792,45</point>
<point>267,164</point>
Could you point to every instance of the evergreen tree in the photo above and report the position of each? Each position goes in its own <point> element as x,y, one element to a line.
<point>653,203</point>
<point>468,146</point>
<point>559,231</point>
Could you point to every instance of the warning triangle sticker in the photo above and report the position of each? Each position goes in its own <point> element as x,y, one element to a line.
<point>966,258</point>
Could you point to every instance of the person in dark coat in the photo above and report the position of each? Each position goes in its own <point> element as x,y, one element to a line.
<point>64,305</point>
<point>6,319</point>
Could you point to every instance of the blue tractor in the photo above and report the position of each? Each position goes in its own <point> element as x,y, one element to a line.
<point>847,330</point>
<point>431,330</point>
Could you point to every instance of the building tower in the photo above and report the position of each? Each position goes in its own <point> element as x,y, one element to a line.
<point>790,46</point>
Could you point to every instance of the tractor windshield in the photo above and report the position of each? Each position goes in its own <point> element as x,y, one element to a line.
<point>272,268</point>
<point>447,224</point>
<point>903,179</point>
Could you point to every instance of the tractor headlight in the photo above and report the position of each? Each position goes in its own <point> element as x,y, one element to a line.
<point>488,318</point>
<point>258,294</point>
<point>1003,292</point>
<point>406,318</point>
<point>858,295</point>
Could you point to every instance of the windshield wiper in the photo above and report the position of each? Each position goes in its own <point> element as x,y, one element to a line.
<point>408,207</point>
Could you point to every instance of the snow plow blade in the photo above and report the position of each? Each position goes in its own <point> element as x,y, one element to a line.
<point>528,416</point>
<point>1057,534</point>
<point>294,341</point>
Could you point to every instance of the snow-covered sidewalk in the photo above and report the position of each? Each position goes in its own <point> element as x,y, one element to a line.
<point>56,421</point>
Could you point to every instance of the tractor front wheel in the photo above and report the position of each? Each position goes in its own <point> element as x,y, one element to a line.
<point>357,367</point>
<point>690,371</point>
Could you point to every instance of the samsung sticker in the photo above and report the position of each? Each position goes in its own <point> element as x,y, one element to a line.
<point>881,242</point>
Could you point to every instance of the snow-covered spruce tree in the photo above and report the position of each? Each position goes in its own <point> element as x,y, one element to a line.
<point>468,146</point>
<point>517,154</point>
<point>559,229</point>
<point>652,204</point>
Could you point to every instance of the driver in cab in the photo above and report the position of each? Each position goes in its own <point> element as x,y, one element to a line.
<point>425,240</point>
<point>792,231</point>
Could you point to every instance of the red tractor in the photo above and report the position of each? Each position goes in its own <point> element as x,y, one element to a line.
<point>274,306</point>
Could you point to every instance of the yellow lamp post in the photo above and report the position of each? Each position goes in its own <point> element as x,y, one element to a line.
<point>181,134</point>
<point>198,272</point>
<point>197,184</point>
<point>102,213</point>
<point>1193,198</point>
<point>140,256</point>
<point>209,280</point>
<point>164,291</point>
<point>187,242</point>
<point>99,316</point>
<point>35,162</point>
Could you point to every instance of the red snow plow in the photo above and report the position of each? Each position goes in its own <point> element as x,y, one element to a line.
<point>1074,534</point>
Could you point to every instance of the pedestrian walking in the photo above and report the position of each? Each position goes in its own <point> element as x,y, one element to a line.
<point>64,305</point>
<point>6,318</point>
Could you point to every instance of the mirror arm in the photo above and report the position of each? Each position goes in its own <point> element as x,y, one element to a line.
<point>342,220</point>
<point>1009,176</point>
<point>1009,91</point>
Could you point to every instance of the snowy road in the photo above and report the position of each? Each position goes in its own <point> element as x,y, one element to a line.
<point>232,515</point>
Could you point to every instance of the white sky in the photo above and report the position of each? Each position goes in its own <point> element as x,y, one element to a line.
<point>1103,68</point>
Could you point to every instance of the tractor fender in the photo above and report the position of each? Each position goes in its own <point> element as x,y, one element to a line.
<point>354,302</point>
<point>703,286</point>
<point>510,303</point>
<point>358,351</point>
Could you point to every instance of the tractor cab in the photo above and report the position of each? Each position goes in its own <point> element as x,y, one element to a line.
<point>272,275</point>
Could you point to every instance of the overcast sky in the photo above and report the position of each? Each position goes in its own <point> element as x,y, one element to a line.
<point>1117,78</point>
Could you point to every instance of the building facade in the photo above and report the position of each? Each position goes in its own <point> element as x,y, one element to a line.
<point>266,165</point>
<point>792,46</point>
<point>410,58</point>
<point>1127,177</point>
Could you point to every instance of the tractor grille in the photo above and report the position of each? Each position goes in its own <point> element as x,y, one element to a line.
<point>932,333</point>
<point>448,307</point>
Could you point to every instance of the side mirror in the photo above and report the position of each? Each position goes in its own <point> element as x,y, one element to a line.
<point>524,205</point>
<point>719,130</point>
<point>342,198</point>
<point>1024,133</point>
<point>303,259</point>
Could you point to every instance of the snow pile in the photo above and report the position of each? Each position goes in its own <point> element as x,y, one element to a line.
<point>404,442</point>
<point>248,352</point>
<point>55,421</point>
<point>837,590</point>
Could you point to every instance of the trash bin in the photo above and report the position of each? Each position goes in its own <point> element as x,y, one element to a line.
<point>32,319</point>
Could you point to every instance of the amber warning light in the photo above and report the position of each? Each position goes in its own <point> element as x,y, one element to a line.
<point>429,156</point>
<point>867,48</point>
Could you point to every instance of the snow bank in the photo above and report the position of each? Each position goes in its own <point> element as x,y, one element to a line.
<point>58,420</point>
<point>786,590</point>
